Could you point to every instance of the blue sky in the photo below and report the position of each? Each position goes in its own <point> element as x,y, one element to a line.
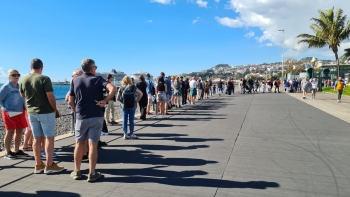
<point>128,35</point>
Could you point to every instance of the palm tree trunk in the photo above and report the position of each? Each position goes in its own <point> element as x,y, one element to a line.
<point>337,60</point>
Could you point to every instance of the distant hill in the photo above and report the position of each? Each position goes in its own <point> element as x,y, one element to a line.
<point>222,66</point>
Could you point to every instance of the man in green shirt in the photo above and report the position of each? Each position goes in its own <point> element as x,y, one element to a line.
<point>41,103</point>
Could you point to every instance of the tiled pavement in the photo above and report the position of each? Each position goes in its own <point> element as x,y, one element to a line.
<point>243,145</point>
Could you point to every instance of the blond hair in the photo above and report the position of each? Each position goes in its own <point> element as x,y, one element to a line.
<point>126,81</point>
<point>10,72</point>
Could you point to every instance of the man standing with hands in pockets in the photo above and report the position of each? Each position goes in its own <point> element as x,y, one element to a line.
<point>86,100</point>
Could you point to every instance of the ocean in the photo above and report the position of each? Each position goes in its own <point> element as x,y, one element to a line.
<point>60,91</point>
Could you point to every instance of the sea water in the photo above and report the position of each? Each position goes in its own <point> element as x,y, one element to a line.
<point>60,91</point>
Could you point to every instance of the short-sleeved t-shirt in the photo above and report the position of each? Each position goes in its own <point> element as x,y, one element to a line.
<point>88,90</point>
<point>35,86</point>
<point>193,84</point>
<point>314,84</point>
<point>168,83</point>
<point>220,83</point>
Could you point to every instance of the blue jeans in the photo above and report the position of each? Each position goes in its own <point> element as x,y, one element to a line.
<point>128,114</point>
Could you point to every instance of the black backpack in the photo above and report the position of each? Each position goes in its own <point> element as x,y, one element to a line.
<point>128,98</point>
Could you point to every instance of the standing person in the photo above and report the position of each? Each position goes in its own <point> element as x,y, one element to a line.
<point>214,89</point>
<point>199,89</point>
<point>277,85</point>
<point>142,86</point>
<point>193,90</point>
<point>177,92</point>
<point>206,89</point>
<point>305,85</point>
<point>87,102</point>
<point>263,85</point>
<point>150,90</point>
<point>41,104</point>
<point>184,88</point>
<point>229,86</point>
<point>13,114</point>
<point>256,84</point>
<point>240,86</point>
<point>244,85</point>
<point>294,85</point>
<point>339,86</point>
<point>269,85</point>
<point>251,84</point>
<point>286,85</point>
<point>168,92</point>
<point>314,85</point>
<point>210,83</point>
<point>161,90</point>
<point>220,86</point>
<point>299,85</point>
<point>109,113</point>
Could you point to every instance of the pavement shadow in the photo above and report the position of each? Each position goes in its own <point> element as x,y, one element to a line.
<point>161,147</point>
<point>177,139</point>
<point>39,194</point>
<point>177,180</point>
<point>138,156</point>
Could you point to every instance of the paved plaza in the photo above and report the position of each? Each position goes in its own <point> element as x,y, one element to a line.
<point>240,145</point>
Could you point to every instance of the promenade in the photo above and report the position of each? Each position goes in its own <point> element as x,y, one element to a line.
<point>240,145</point>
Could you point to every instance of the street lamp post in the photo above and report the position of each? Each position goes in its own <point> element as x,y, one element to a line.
<point>282,55</point>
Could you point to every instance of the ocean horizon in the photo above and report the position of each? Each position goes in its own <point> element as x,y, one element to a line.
<point>60,91</point>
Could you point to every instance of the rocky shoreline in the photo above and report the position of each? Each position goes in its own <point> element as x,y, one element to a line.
<point>63,124</point>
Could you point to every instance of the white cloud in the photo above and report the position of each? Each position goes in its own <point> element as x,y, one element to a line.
<point>269,44</point>
<point>163,1</point>
<point>217,1</point>
<point>229,22</point>
<point>195,20</point>
<point>249,34</point>
<point>149,21</point>
<point>200,3</point>
<point>292,16</point>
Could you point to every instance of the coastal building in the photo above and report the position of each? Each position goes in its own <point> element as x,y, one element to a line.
<point>117,74</point>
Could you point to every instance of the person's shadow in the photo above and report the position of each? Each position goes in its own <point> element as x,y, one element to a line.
<point>39,194</point>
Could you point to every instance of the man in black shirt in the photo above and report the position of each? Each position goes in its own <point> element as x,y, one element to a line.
<point>184,87</point>
<point>244,85</point>
<point>87,102</point>
<point>220,90</point>
<point>251,84</point>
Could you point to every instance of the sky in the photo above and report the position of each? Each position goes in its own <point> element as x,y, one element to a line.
<point>173,36</point>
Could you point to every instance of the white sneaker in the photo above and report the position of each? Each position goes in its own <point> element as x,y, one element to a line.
<point>104,133</point>
<point>338,101</point>
<point>156,117</point>
<point>133,136</point>
<point>126,137</point>
<point>163,117</point>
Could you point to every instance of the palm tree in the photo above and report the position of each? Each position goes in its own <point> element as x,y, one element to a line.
<point>346,55</point>
<point>330,29</point>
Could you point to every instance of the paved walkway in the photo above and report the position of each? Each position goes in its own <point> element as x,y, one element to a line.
<point>243,145</point>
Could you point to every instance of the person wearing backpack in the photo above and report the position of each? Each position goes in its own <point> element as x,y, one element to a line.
<point>339,86</point>
<point>142,86</point>
<point>128,101</point>
<point>177,92</point>
<point>151,91</point>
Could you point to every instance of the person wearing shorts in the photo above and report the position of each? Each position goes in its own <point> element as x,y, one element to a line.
<point>161,89</point>
<point>87,101</point>
<point>13,114</point>
<point>314,85</point>
<point>193,90</point>
<point>305,86</point>
<point>41,104</point>
<point>149,93</point>
<point>220,87</point>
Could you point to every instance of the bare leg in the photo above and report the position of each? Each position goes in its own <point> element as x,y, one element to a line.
<point>78,154</point>
<point>49,145</point>
<point>93,154</point>
<point>37,149</point>
<point>8,139</point>
<point>18,138</point>
<point>28,138</point>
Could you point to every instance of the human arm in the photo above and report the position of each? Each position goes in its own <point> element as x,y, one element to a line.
<point>335,84</point>
<point>111,92</point>
<point>71,102</point>
<point>140,95</point>
<point>166,87</point>
<point>3,94</point>
<point>118,96</point>
<point>52,101</point>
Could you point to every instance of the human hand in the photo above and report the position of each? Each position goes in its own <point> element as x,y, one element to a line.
<point>101,103</point>
<point>57,114</point>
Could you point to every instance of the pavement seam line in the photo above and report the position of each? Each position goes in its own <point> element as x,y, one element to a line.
<point>234,144</point>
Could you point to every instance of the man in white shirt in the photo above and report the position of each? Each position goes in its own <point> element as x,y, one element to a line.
<point>193,90</point>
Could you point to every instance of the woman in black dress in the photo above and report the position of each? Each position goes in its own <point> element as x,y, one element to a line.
<point>142,85</point>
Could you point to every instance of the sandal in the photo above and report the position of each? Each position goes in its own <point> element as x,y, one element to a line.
<point>29,148</point>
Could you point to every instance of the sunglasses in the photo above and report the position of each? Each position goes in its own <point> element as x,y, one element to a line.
<point>15,75</point>
<point>95,67</point>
